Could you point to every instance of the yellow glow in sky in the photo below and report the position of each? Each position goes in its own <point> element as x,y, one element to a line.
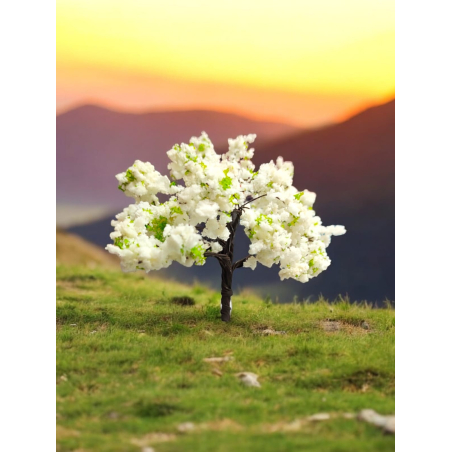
<point>326,48</point>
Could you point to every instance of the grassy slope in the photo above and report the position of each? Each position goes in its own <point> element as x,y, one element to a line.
<point>132,369</point>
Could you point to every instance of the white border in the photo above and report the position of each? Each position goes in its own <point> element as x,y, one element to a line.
<point>27,332</point>
<point>423,227</point>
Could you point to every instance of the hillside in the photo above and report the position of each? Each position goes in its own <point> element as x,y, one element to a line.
<point>351,168</point>
<point>132,371</point>
<point>94,144</point>
<point>73,250</point>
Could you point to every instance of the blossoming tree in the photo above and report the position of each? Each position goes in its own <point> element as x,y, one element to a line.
<point>201,217</point>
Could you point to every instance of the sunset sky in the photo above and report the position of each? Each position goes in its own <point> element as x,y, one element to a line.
<point>303,62</point>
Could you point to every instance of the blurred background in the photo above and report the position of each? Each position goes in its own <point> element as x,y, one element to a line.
<point>313,80</point>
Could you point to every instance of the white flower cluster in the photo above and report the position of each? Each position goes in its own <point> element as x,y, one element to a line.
<point>282,225</point>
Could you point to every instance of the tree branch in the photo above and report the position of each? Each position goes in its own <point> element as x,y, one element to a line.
<point>251,200</point>
<point>240,262</point>
<point>220,256</point>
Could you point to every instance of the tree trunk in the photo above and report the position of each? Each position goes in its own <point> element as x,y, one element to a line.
<point>226,291</point>
<point>225,258</point>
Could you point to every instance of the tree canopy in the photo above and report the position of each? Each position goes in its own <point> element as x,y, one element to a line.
<point>204,190</point>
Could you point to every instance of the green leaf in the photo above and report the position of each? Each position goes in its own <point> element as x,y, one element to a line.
<point>294,221</point>
<point>234,197</point>
<point>253,174</point>
<point>197,253</point>
<point>226,182</point>
<point>129,175</point>
<point>176,209</point>
<point>193,159</point>
<point>118,242</point>
<point>263,217</point>
<point>157,227</point>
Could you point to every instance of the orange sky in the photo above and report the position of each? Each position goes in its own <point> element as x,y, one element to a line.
<point>300,61</point>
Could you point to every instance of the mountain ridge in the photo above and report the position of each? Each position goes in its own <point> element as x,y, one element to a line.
<point>94,144</point>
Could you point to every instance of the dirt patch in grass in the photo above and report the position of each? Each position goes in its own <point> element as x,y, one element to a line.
<point>153,438</point>
<point>63,432</point>
<point>363,380</point>
<point>333,326</point>
<point>183,301</point>
<point>146,408</point>
<point>223,425</point>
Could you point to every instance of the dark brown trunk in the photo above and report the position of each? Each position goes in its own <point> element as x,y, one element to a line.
<point>226,291</point>
<point>225,258</point>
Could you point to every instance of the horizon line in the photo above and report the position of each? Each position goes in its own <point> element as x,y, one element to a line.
<point>255,117</point>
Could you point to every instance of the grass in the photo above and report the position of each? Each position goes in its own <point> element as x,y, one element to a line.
<point>130,369</point>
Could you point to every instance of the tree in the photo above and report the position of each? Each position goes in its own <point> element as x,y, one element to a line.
<point>201,217</point>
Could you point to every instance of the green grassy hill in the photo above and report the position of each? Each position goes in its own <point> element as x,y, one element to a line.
<point>131,374</point>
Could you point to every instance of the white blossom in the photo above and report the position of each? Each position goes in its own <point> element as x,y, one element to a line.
<point>205,188</point>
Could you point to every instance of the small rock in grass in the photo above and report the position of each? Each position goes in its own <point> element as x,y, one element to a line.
<point>248,379</point>
<point>389,426</point>
<point>386,423</point>
<point>372,417</point>
<point>154,437</point>
<point>217,372</point>
<point>186,427</point>
<point>272,332</point>
<point>92,332</point>
<point>113,415</point>
<point>73,324</point>
<point>293,426</point>
<point>365,325</point>
<point>349,415</point>
<point>148,449</point>
<point>319,417</point>
<point>221,359</point>
<point>208,333</point>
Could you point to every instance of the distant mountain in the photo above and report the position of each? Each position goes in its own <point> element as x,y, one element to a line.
<point>94,144</point>
<point>351,168</point>
<point>346,162</point>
